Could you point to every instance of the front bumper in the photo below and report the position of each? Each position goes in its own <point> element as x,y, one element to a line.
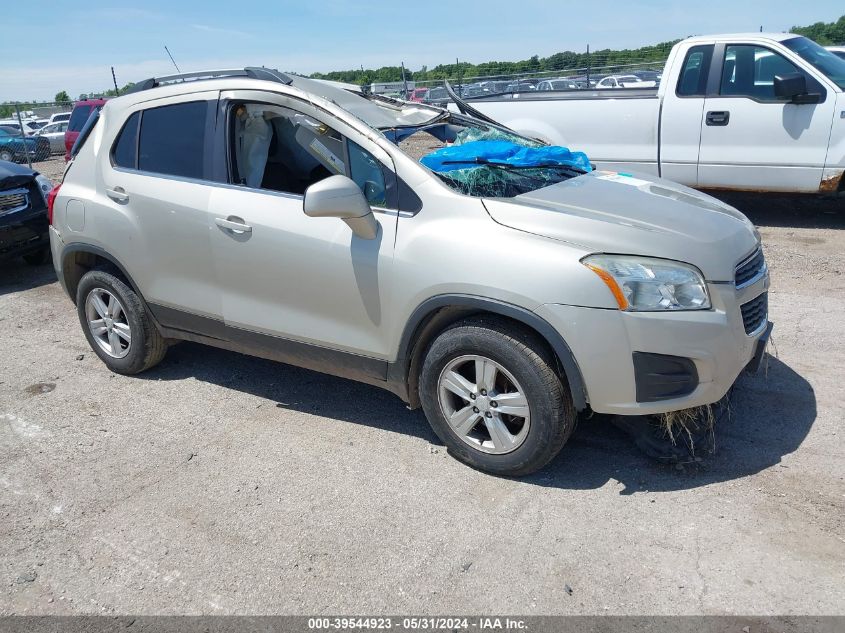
<point>715,341</point>
<point>22,233</point>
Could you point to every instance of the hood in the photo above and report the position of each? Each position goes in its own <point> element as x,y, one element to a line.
<point>13,175</point>
<point>607,212</point>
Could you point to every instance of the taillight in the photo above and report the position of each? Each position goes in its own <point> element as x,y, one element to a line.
<point>51,200</point>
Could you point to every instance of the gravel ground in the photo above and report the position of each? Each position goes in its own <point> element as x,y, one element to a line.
<point>218,483</point>
<point>53,168</point>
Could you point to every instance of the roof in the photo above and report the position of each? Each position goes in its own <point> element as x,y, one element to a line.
<point>349,97</point>
<point>722,37</point>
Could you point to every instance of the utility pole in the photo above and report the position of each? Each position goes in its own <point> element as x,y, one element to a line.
<point>114,79</point>
<point>588,66</point>
<point>404,81</point>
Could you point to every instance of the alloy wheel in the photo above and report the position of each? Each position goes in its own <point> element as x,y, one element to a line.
<point>484,404</point>
<point>107,322</point>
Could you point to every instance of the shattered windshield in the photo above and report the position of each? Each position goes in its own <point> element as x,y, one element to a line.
<point>484,160</point>
<point>471,156</point>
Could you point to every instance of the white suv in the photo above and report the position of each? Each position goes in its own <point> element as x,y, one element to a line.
<point>278,216</point>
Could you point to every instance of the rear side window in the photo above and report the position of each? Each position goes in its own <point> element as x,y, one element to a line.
<point>125,152</point>
<point>694,73</point>
<point>78,117</point>
<point>172,140</point>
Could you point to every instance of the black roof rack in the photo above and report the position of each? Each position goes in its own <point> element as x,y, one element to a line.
<point>252,72</point>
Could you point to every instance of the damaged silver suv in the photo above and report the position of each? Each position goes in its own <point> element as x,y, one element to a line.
<point>285,218</point>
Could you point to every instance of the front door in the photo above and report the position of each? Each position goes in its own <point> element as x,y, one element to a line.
<point>752,140</point>
<point>289,280</point>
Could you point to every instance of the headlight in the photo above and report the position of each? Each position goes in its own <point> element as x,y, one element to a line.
<point>645,284</point>
<point>44,185</point>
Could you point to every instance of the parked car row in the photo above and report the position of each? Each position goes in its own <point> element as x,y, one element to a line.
<point>438,96</point>
<point>29,126</point>
<point>42,138</point>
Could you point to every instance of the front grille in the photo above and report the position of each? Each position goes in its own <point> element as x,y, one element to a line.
<point>755,313</point>
<point>14,200</point>
<point>750,269</point>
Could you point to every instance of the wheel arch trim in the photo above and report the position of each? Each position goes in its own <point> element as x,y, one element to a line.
<point>408,344</point>
<point>72,248</point>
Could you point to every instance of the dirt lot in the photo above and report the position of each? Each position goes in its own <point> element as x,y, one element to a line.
<point>218,483</point>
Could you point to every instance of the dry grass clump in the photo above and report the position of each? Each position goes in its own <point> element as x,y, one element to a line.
<point>688,424</point>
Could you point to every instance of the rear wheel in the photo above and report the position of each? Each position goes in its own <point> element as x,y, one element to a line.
<point>7,154</point>
<point>116,324</point>
<point>490,392</point>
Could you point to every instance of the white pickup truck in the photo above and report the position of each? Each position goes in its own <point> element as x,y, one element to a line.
<point>756,112</point>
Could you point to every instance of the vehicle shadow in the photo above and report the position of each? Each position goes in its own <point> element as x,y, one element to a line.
<point>770,415</point>
<point>17,276</point>
<point>787,210</point>
<point>292,388</point>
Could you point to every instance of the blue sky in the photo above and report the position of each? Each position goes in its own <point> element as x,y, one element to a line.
<point>70,45</point>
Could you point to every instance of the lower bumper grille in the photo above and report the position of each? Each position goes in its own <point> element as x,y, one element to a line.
<point>14,200</point>
<point>755,313</point>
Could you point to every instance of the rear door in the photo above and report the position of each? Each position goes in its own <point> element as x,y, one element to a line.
<point>752,140</point>
<point>159,180</point>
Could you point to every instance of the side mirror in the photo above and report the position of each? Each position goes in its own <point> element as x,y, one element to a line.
<point>340,197</point>
<point>792,87</point>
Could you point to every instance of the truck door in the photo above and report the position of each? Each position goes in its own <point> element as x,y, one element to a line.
<point>752,140</point>
<point>681,117</point>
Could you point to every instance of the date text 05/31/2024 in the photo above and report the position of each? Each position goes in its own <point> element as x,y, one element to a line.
<point>417,623</point>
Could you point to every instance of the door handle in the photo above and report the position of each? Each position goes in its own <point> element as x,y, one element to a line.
<point>118,194</point>
<point>234,224</point>
<point>718,117</point>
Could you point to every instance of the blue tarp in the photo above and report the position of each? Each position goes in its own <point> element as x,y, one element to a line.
<point>474,153</point>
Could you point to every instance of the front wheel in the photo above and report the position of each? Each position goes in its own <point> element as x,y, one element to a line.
<point>490,392</point>
<point>7,155</point>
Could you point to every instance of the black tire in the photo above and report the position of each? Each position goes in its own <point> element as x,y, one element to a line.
<point>39,257</point>
<point>526,357</point>
<point>7,155</point>
<point>147,346</point>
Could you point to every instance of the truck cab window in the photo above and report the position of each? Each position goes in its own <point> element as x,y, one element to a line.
<point>693,79</point>
<point>749,71</point>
